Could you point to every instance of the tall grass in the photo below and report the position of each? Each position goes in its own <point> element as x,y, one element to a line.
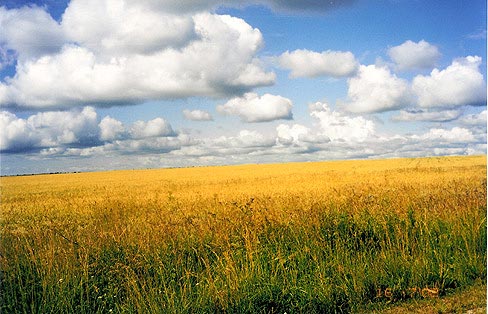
<point>296,238</point>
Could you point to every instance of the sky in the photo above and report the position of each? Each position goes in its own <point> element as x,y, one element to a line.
<point>89,85</point>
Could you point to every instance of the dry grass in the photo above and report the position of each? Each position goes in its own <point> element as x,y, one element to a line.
<point>300,237</point>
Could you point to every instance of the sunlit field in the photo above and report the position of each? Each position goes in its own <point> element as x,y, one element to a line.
<point>322,237</point>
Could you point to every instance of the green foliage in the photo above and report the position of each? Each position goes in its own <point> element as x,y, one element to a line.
<point>334,268</point>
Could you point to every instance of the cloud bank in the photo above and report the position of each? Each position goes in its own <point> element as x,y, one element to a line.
<point>61,131</point>
<point>79,135</point>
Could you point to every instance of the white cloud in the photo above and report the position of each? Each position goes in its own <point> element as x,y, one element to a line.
<point>411,55</point>
<point>114,56</point>
<point>477,120</point>
<point>111,129</point>
<point>299,143</point>
<point>118,27</point>
<point>73,127</point>
<point>339,127</point>
<point>79,131</point>
<point>228,147</point>
<point>376,89</point>
<point>162,144</point>
<point>455,135</point>
<point>197,115</point>
<point>126,147</point>
<point>30,31</point>
<point>305,63</point>
<point>295,134</point>
<point>126,52</point>
<point>48,129</point>
<point>459,84</point>
<point>332,132</point>
<point>157,127</point>
<point>153,143</point>
<point>77,78</point>
<point>244,139</point>
<point>16,135</point>
<point>423,115</point>
<point>254,108</point>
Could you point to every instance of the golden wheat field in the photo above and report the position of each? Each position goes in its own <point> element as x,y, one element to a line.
<point>318,237</point>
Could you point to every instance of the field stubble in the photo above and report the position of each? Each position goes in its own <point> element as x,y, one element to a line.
<point>325,237</point>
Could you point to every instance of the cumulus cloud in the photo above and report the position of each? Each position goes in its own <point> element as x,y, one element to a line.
<point>459,84</point>
<point>455,135</point>
<point>30,32</point>
<point>124,53</point>
<point>332,132</point>
<point>120,149</point>
<point>376,89</point>
<point>228,147</point>
<point>111,129</point>
<point>244,139</point>
<point>74,127</point>
<point>292,135</point>
<point>47,129</point>
<point>339,127</point>
<point>79,131</point>
<point>197,115</point>
<point>114,27</point>
<point>425,115</point>
<point>254,108</point>
<point>476,120</point>
<point>141,146</point>
<point>333,135</point>
<point>411,55</point>
<point>299,142</point>
<point>153,128</point>
<point>305,63</point>
<point>16,135</point>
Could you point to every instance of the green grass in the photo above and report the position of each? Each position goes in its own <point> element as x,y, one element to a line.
<point>340,265</point>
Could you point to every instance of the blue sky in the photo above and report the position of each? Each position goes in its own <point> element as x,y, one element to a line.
<point>110,84</point>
